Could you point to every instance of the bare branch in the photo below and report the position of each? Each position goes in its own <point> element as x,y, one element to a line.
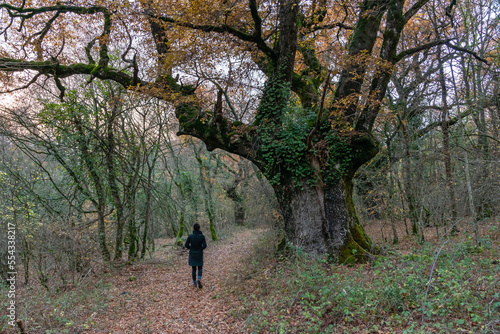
<point>129,47</point>
<point>226,97</point>
<point>62,47</point>
<point>26,13</point>
<point>43,33</point>
<point>60,86</point>
<point>320,112</point>
<point>414,9</point>
<point>88,49</point>
<point>409,52</point>
<point>32,81</point>
<point>474,54</point>
<point>331,26</point>
<point>449,122</point>
<point>256,18</point>
<point>244,36</point>
<point>30,12</point>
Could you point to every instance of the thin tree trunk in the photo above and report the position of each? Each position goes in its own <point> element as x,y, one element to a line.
<point>148,192</point>
<point>395,239</point>
<point>402,199</point>
<point>101,230</point>
<point>132,229</point>
<point>410,192</point>
<point>130,195</point>
<point>237,198</point>
<point>181,229</point>
<point>91,166</point>
<point>115,192</point>
<point>471,199</point>
<point>207,192</point>
<point>446,141</point>
<point>26,262</point>
<point>210,211</point>
<point>466,158</point>
<point>147,211</point>
<point>147,217</point>
<point>482,169</point>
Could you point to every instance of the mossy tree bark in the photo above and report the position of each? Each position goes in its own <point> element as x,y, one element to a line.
<point>206,186</point>
<point>322,220</point>
<point>147,236</point>
<point>180,233</point>
<point>237,196</point>
<point>90,163</point>
<point>239,209</point>
<point>110,156</point>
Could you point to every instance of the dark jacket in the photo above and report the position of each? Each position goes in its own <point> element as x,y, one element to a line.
<point>196,243</point>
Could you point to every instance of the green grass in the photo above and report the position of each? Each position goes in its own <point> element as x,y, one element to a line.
<point>301,295</point>
<point>64,312</point>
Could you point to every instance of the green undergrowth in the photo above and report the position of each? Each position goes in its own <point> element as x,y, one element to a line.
<point>69,311</point>
<point>302,295</point>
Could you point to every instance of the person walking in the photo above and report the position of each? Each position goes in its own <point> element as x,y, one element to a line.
<point>196,243</point>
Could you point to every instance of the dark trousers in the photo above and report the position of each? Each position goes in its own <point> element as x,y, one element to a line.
<point>200,272</point>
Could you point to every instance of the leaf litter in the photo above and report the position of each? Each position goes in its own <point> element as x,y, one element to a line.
<point>157,296</point>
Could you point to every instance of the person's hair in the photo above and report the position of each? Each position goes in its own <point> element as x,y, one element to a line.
<point>196,227</point>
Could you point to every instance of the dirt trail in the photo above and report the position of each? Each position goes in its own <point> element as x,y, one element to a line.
<point>158,296</point>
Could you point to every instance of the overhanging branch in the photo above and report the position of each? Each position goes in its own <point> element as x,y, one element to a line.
<point>474,54</point>
<point>449,122</point>
<point>409,52</point>
<point>26,13</point>
<point>54,68</point>
<point>414,9</point>
<point>244,36</point>
<point>331,26</point>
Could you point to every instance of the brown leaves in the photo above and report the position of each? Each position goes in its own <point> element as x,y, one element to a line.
<point>162,299</point>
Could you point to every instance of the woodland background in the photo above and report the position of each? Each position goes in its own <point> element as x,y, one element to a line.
<point>100,182</point>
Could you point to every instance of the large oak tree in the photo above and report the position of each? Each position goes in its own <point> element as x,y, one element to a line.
<point>326,63</point>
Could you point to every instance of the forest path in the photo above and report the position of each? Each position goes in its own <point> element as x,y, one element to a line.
<point>157,296</point>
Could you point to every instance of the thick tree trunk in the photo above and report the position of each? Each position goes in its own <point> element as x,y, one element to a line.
<point>322,220</point>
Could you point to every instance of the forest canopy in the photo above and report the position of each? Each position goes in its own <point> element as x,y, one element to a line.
<point>308,91</point>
